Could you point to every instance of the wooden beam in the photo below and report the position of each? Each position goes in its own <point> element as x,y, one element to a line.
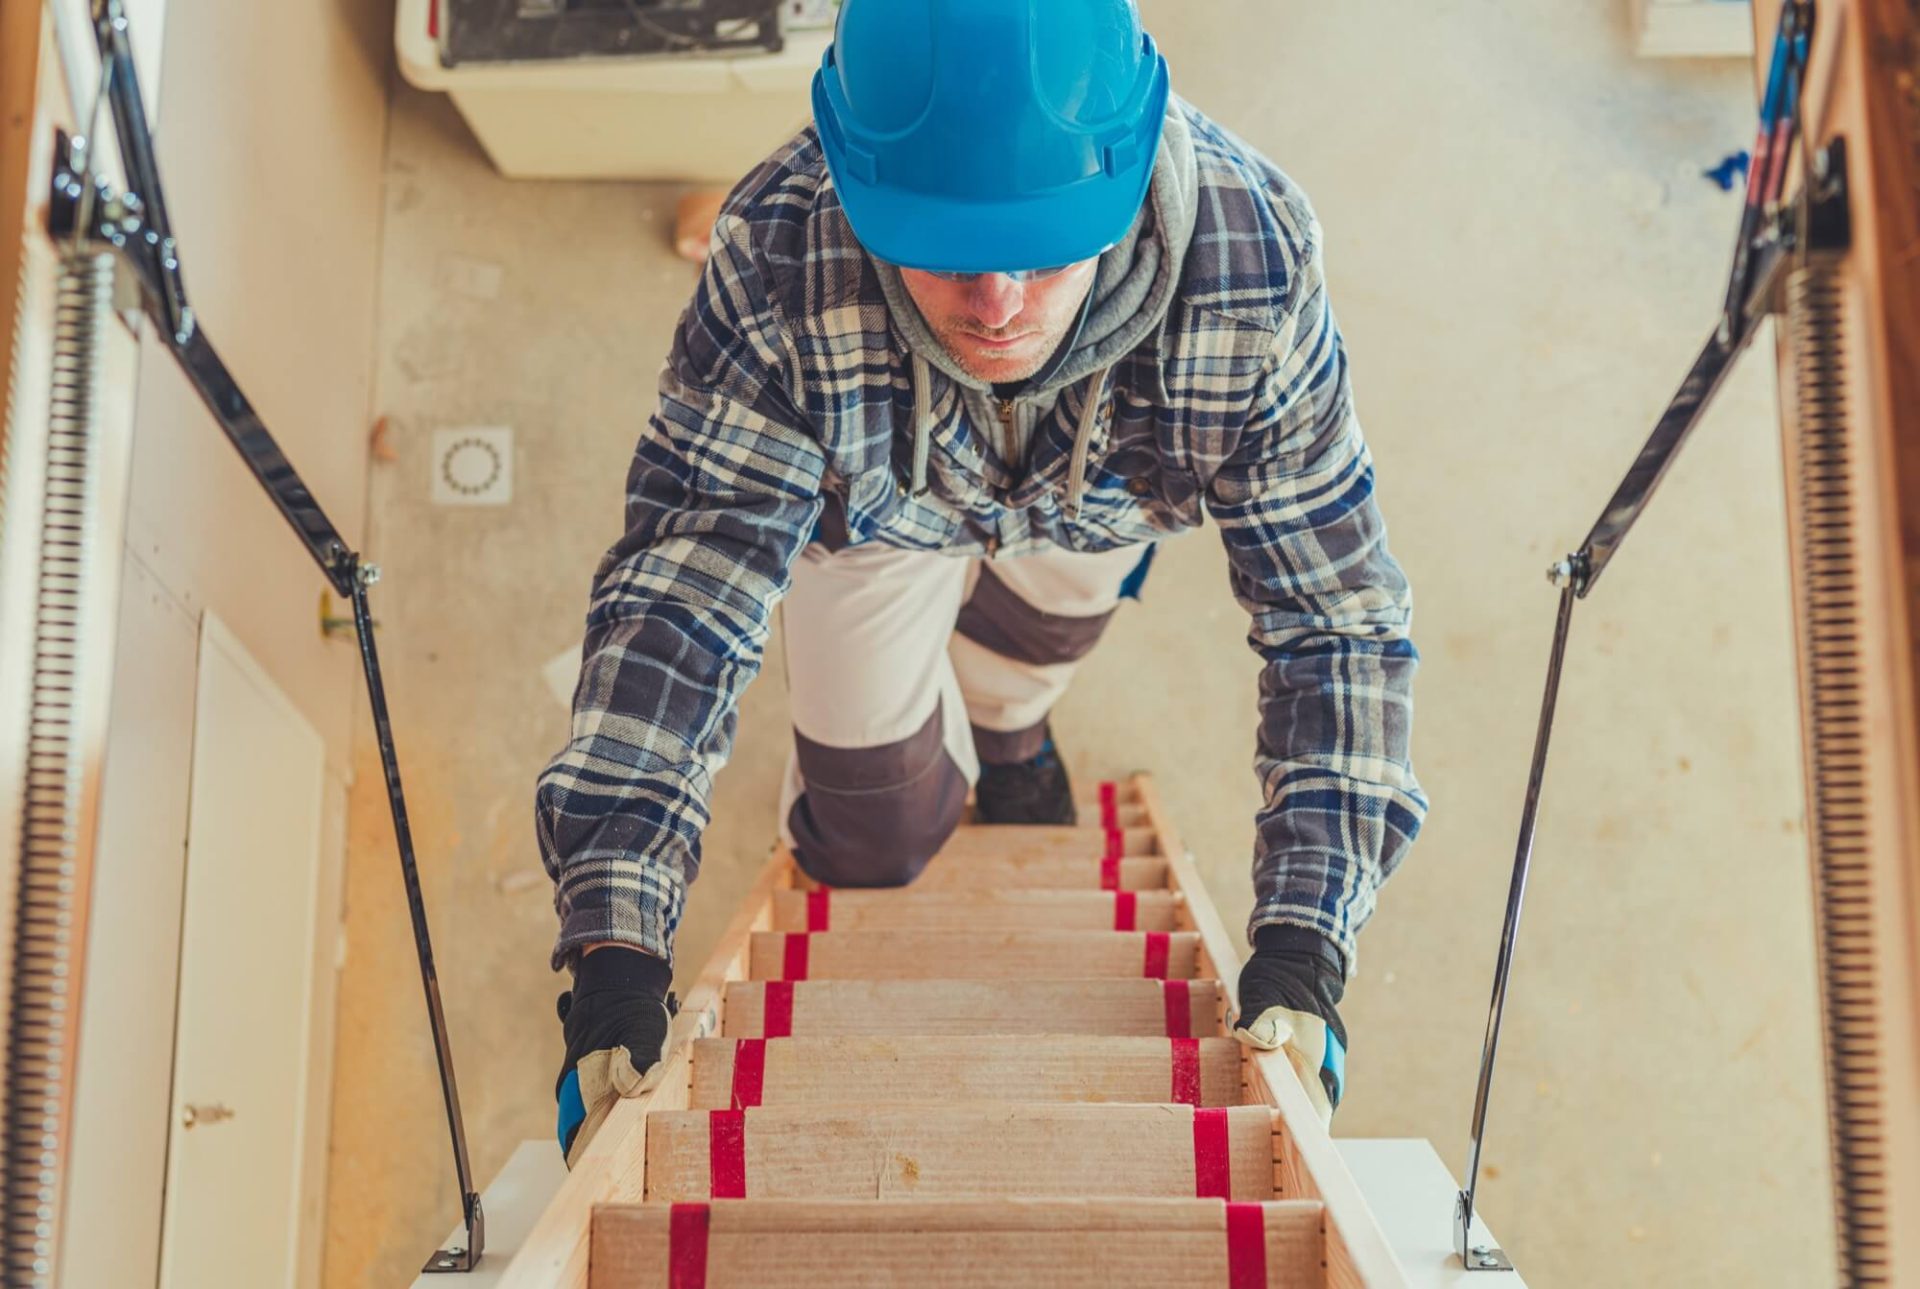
<point>823,1008</point>
<point>1075,872</point>
<point>912,909</point>
<point>613,1166</point>
<point>917,1151</point>
<point>1849,364</point>
<point>1063,1244</point>
<point>816,1071</point>
<point>1034,841</point>
<point>1357,1249</point>
<point>970,955</point>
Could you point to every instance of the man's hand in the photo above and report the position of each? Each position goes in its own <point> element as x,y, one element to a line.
<point>1289,994</point>
<point>615,1020</point>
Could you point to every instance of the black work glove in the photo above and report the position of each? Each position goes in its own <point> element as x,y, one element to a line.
<point>615,1020</point>
<point>1290,992</point>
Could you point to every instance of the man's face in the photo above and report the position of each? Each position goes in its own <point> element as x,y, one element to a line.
<point>997,329</point>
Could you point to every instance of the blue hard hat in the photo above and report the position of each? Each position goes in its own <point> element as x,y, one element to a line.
<point>980,136</point>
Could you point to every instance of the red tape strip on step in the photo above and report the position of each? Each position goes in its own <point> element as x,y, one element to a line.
<point>793,965</point>
<point>1124,905</point>
<point>727,1154</point>
<point>776,1012</point>
<point>1186,1071</point>
<point>1246,1246</point>
<point>1179,1006</point>
<point>1156,955</point>
<point>1110,873</point>
<point>687,1246</point>
<point>1109,805</point>
<point>818,903</point>
<point>749,1072</point>
<point>1212,1178</point>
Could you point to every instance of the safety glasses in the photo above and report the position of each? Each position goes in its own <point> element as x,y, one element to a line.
<point>1018,275</point>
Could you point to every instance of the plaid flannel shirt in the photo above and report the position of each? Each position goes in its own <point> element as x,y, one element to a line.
<point>786,412</point>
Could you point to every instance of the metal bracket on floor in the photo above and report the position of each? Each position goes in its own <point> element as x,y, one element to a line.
<point>85,211</point>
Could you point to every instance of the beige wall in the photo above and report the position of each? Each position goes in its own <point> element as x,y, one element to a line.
<point>1524,258</point>
<point>271,123</point>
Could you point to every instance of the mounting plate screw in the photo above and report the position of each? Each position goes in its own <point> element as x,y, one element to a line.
<point>369,574</point>
<point>1562,573</point>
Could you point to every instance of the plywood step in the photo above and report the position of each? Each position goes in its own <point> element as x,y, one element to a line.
<point>970,955</point>
<point>958,1244</point>
<point>916,909</point>
<point>968,1150</point>
<point>1127,813</point>
<point>740,1073</point>
<point>819,1008</point>
<point>1033,873</point>
<point>1035,841</point>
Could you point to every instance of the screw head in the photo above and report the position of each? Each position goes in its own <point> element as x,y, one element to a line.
<point>1561,573</point>
<point>369,574</point>
<point>1488,1261</point>
<point>1483,1249</point>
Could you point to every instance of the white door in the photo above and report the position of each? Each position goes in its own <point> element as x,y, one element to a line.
<point>240,1073</point>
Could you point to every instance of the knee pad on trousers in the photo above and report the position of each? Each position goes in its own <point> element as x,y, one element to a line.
<point>875,816</point>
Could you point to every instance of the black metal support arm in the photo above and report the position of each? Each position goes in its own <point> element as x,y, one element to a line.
<point>132,222</point>
<point>1774,236</point>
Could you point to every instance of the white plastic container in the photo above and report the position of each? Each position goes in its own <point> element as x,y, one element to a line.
<point>700,117</point>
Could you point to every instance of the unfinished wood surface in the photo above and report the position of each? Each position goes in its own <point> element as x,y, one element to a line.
<point>796,1071</point>
<point>1851,443</point>
<point>817,1110</point>
<point>1041,873</point>
<point>915,909</point>
<point>970,955</point>
<point>613,1166</point>
<point>810,1008</point>
<point>1357,1249</point>
<point>1063,1244</point>
<point>918,1151</point>
<point>1033,841</point>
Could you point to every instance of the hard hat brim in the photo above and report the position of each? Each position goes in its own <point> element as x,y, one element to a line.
<point>946,234</point>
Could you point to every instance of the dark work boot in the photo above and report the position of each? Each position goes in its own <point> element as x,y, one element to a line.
<point>1026,792</point>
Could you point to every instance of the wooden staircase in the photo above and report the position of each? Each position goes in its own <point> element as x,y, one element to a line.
<point>1015,1072</point>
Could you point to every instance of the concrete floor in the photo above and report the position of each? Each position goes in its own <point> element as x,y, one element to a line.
<point>1524,258</point>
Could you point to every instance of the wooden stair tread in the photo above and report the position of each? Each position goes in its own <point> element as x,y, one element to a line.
<point>914,908</point>
<point>960,1244</point>
<point>970,955</point>
<point>736,1073</point>
<point>820,1008</point>
<point>1034,841</point>
<point>969,1149</point>
<point>1070,872</point>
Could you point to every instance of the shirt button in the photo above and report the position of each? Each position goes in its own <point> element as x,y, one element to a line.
<point>1139,487</point>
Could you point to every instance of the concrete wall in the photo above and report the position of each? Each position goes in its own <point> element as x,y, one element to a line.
<point>1524,258</point>
<point>271,123</point>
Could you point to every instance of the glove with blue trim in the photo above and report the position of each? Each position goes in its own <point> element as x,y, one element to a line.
<point>1289,994</point>
<point>615,1020</point>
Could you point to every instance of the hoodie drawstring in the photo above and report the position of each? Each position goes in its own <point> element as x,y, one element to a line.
<point>922,425</point>
<point>1083,444</point>
<point>1084,428</point>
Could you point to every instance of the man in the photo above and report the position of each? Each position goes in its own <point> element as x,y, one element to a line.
<point>1005,315</point>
